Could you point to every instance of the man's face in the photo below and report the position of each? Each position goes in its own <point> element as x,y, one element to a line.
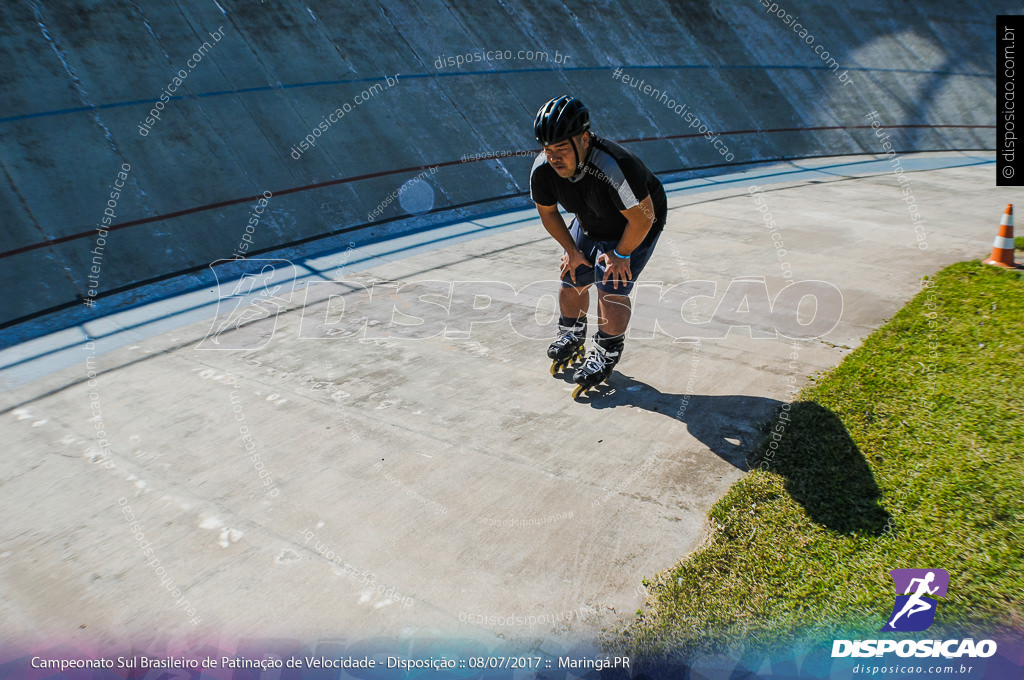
<point>561,157</point>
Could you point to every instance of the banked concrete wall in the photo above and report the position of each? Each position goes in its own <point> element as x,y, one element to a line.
<point>387,92</point>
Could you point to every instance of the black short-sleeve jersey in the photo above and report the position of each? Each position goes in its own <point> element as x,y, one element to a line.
<point>612,180</point>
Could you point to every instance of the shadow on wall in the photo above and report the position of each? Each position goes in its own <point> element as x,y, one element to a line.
<point>824,471</point>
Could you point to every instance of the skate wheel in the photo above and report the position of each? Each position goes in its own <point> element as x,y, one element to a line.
<point>580,389</point>
<point>555,368</point>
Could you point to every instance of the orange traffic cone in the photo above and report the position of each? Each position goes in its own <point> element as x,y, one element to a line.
<point>1002,249</point>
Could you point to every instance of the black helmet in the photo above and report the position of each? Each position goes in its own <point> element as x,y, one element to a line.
<point>561,118</point>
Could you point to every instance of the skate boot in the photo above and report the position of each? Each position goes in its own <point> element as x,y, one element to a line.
<point>568,346</point>
<point>599,363</point>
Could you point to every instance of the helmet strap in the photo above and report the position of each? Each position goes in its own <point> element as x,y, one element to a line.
<point>576,153</point>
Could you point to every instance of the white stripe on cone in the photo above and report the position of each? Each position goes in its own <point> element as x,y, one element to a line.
<point>1007,220</point>
<point>1003,242</point>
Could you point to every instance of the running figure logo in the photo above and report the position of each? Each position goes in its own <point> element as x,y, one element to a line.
<point>914,610</point>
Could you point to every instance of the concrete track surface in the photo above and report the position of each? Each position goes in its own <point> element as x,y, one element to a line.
<point>452,468</point>
<point>230,452</point>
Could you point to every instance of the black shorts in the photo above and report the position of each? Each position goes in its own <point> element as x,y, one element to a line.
<point>586,275</point>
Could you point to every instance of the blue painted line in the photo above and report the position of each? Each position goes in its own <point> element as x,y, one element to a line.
<point>498,72</point>
<point>913,164</point>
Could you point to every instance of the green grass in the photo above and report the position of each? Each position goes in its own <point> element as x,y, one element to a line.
<point>908,454</point>
<point>1018,243</point>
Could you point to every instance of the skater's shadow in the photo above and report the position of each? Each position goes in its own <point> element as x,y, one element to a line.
<point>728,424</point>
<point>822,468</point>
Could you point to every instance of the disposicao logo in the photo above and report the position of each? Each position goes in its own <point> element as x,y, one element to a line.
<point>914,611</point>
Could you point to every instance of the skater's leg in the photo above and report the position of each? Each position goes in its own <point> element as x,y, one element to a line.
<point>573,302</point>
<point>613,313</point>
<point>613,305</point>
<point>574,294</point>
<point>572,327</point>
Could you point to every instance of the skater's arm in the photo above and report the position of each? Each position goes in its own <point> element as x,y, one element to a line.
<point>555,225</point>
<point>639,219</point>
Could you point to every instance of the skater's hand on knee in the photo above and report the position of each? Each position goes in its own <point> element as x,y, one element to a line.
<point>570,261</point>
<point>615,268</point>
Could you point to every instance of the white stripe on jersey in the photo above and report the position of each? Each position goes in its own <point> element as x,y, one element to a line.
<point>608,165</point>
